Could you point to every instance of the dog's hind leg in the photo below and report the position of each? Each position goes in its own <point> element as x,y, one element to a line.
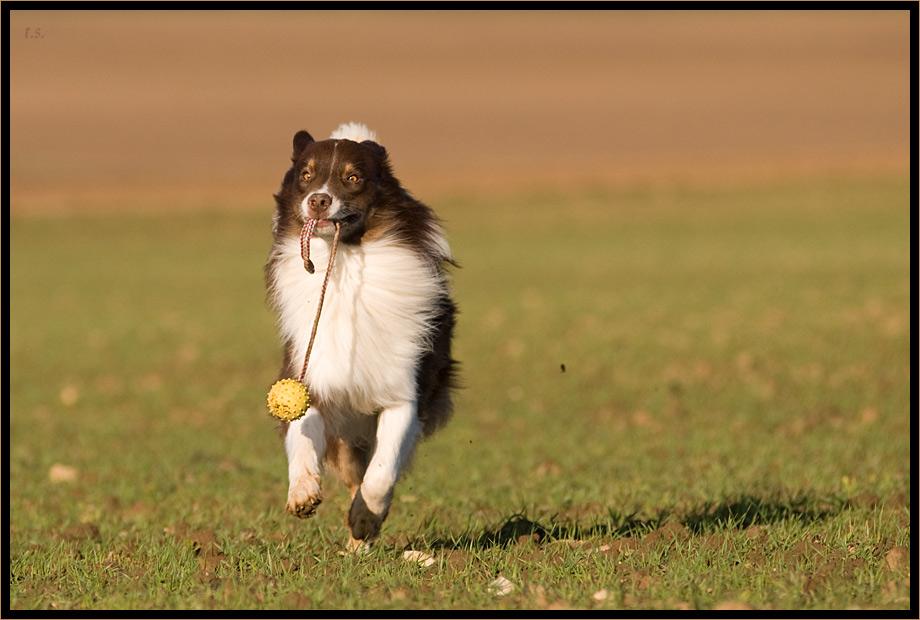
<point>347,461</point>
<point>398,429</point>
<point>305,444</point>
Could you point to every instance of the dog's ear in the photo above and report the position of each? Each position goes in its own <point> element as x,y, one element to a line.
<point>302,140</point>
<point>379,152</point>
<point>381,158</point>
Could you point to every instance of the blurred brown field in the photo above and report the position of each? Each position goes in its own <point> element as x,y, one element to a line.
<point>167,109</point>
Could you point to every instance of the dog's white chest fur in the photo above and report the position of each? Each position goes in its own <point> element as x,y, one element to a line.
<point>374,325</point>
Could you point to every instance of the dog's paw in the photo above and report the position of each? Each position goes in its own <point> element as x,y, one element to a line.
<point>364,526</point>
<point>363,523</point>
<point>303,509</point>
<point>303,499</point>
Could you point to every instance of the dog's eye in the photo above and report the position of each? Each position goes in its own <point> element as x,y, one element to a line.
<point>306,175</point>
<point>352,178</point>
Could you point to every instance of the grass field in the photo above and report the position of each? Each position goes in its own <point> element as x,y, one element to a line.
<point>675,397</point>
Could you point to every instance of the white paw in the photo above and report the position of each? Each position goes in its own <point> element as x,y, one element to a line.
<point>304,496</point>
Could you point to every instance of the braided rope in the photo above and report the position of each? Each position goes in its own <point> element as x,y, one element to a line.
<point>308,264</point>
<point>305,235</point>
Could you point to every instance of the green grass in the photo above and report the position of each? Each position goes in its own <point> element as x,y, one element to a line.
<point>732,425</point>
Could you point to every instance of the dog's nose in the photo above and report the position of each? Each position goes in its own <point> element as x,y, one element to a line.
<point>319,204</point>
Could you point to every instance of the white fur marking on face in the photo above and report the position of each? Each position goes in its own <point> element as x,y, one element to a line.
<point>334,208</point>
<point>336,205</point>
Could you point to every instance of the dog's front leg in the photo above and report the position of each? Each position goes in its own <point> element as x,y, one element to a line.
<point>305,444</point>
<point>398,429</point>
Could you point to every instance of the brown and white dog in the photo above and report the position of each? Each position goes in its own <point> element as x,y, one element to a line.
<point>380,371</point>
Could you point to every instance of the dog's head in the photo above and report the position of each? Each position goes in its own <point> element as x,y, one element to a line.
<point>334,181</point>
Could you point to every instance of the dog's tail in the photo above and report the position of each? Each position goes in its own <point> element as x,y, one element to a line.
<point>354,131</point>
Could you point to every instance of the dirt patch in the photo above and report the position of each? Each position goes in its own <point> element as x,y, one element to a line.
<point>81,532</point>
<point>165,109</point>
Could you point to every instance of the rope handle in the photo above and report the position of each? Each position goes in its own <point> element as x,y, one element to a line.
<point>305,236</point>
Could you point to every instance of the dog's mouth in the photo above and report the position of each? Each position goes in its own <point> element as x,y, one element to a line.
<point>343,218</point>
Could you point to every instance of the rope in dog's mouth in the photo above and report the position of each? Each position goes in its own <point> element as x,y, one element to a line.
<point>289,399</point>
<point>308,229</point>
<point>305,235</point>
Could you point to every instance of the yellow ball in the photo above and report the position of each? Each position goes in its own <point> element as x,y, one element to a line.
<point>288,400</point>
